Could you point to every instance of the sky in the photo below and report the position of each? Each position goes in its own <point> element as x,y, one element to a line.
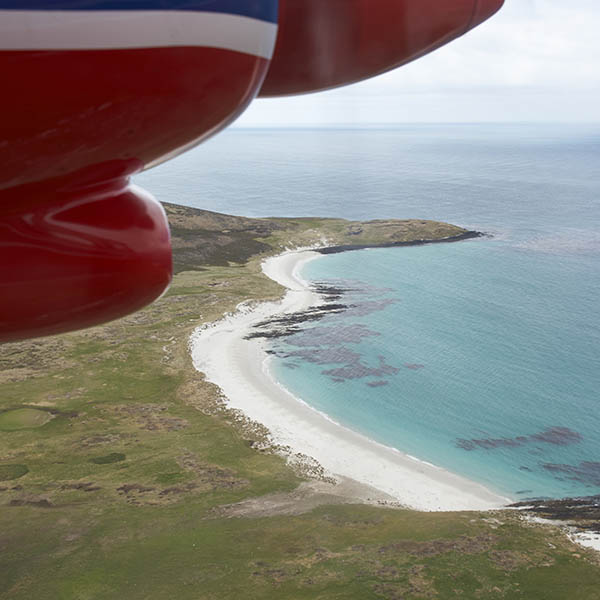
<point>535,60</point>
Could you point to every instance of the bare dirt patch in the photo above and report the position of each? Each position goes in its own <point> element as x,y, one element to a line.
<point>151,417</point>
<point>210,476</point>
<point>306,497</point>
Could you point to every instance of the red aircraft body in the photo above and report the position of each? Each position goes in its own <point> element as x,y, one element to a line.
<point>94,91</point>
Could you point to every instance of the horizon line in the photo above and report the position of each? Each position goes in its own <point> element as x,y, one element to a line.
<point>398,124</point>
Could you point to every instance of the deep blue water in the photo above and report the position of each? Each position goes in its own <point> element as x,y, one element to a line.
<point>480,356</point>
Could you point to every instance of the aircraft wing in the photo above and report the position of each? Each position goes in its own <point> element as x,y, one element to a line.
<point>323,44</point>
<point>97,90</point>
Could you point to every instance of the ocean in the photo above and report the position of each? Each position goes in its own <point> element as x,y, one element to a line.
<point>483,356</point>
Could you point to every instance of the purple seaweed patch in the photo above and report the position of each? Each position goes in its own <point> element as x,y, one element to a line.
<point>363,309</point>
<point>379,383</point>
<point>358,370</point>
<point>331,336</point>
<point>587,472</point>
<point>327,355</point>
<point>557,436</point>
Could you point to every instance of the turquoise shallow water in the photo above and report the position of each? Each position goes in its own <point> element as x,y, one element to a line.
<point>481,356</point>
<point>484,362</point>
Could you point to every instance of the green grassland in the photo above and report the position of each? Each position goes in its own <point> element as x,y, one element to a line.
<point>23,418</point>
<point>117,458</point>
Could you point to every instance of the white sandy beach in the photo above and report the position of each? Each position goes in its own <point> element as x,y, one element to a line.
<point>241,369</point>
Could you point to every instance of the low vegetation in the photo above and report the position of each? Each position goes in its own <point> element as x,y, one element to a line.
<point>117,463</point>
<point>23,418</point>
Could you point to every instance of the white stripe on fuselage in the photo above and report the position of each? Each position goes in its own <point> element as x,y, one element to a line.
<point>115,29</point>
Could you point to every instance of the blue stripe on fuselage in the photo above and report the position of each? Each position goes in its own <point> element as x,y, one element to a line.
<point>265,10</point>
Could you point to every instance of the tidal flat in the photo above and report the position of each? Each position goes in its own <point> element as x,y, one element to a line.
<point>144,485</point>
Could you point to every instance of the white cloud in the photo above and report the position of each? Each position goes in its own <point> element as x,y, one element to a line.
<point>534,60</point>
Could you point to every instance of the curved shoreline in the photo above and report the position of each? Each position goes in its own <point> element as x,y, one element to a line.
<point>240,367</point>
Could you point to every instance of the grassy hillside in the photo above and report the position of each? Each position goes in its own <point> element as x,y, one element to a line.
<point>118,465</point>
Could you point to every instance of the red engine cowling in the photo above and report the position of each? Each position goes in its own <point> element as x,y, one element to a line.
<point>80,250</point>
